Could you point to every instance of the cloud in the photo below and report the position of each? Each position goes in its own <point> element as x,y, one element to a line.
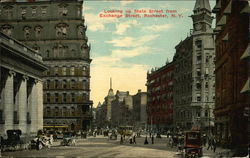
<point>95,23</point>
<point>122,27</point>
<point>124,3</point>
<point>158,28</point>
<point>132,41</point>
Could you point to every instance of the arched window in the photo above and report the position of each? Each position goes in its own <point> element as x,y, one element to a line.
<point>56,84</point>
<point>56,97</point>
<point>64,84</point>
<point>73,111</point>
<point>65,113</point>
<point>73,84</point>
<point>56,71</point>
<point>72,70</point>
<point>48,84</point>
<point>56,111</point>
<point>72,97</point>
<point>64,97</point>
<point>64,71</point>
<point>48,97</point>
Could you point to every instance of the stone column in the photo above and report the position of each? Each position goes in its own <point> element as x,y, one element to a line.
<point>39,90</point>
<point>22,100</point>
<point>8,98</point>
<point>33,109</point>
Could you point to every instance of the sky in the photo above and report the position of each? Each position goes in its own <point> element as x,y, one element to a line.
<point>126,48</point>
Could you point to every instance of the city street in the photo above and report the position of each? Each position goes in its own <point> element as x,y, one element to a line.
<point>102,147</point>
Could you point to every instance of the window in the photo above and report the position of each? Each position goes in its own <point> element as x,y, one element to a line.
<point>65,111</point>
<point>47,53</point>
<point>198,59</point>
<point>198,85</point>
<point>73,84</point>
<point>206,85</point>
<point>56,111</point>
<point>33,11</point>
<point>48,97</point>
<point>198,44</point>
<point>38,30</point>
<point>64,97</point>
<point>64,72</point>
<point>48,84</point>
<point>72,71</point>
<point>8,11</point>
<point>23,12</point>
<point>48,111</point>
<point>73,111</point>
<point>56,70</point>
<point>7,29</point>
<point>61,30</point>
<point>56,84</point>
<point>206,113</point>
<point>72,97</point>
<point>64,84</point>
<point>44,10</point>
<point>198,71</point>
<point>63,11</point>
<point>27,30</point>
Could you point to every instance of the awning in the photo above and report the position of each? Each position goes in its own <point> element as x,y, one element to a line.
<point>225,38</point>
<point>246,87</point>
<point>246,53</point>
<point>246,9</point>
<point>222,21</point>
<point>228,8</point>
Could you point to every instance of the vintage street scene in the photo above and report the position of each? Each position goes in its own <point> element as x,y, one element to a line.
<point>124,78</point>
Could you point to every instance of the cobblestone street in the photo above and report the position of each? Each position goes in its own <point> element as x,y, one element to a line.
<point>102,147</point>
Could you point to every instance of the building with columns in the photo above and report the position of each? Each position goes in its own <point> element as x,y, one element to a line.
<point>232,74</point>
<point>56,30</point>
<point>194,83</point>
<point>21,97</point>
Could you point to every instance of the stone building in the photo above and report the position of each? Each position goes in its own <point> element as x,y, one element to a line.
<point>232,73</point>
<point>56,30</point>
<point>194,73</point>
<point>122,109</point>
<point>139,110</point>
<point>160,98</point>
<point>21,100</point>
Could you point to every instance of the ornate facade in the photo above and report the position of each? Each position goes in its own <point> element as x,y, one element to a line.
<point>56,30</point>
<point>194,73</point>
<point>232,74</point>
<point>21,100</point>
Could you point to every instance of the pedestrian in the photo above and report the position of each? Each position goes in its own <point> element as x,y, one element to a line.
<point>214,144</point>
<point>130,140</point>
<point>121,141</point>
<point>146,140</point>
<point>134,141</point>
<point>38,144</point>
<point>209,143</point>
<point>152,139</point>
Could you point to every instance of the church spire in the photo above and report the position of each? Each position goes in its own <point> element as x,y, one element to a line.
<point>110,83</point>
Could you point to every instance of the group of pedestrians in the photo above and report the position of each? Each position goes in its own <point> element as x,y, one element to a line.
<point>212,143</point>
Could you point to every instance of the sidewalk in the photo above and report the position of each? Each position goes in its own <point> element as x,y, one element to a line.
<point>219,153</point>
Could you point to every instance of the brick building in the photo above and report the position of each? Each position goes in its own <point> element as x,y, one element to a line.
<point>160,98</point>
<point>232,72</point>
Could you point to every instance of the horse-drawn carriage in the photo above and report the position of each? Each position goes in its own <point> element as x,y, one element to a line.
<point>13,141</point>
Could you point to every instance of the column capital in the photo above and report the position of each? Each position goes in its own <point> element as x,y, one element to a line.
<point>12,73</point>
<point>25,77</point>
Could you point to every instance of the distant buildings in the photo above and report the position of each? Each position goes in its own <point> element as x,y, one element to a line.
<point>160,98</point>
<point>21,100</point>
<point>194,73</point>
<point>56,30</point>
<point>139,110</point>
<point>232,74</point>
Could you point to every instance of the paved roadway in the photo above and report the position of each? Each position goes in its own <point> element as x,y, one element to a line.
<point>102,147</point>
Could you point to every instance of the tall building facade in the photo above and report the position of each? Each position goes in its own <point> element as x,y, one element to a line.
<point>232,73</point>
<point>160,98</point>
<point>21,100</point>
<point>194,73</point>
<point>122,109</point>
<point>139,110</point>
<point>56,30</point>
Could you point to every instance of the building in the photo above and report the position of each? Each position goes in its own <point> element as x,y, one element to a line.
<point>122,109</point>
<point>21,100</point>
<point>194,73</point>
<point>139,110</point>
<point>232,73</point>
<point>56,30</point>
<point>160,98</point>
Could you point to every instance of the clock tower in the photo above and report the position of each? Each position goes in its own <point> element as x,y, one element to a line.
<point>202,19</point>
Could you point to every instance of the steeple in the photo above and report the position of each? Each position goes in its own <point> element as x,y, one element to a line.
<point>202,4</point>
<point>110,83</point>
<point>110,93</point>
<point>202,19</point>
